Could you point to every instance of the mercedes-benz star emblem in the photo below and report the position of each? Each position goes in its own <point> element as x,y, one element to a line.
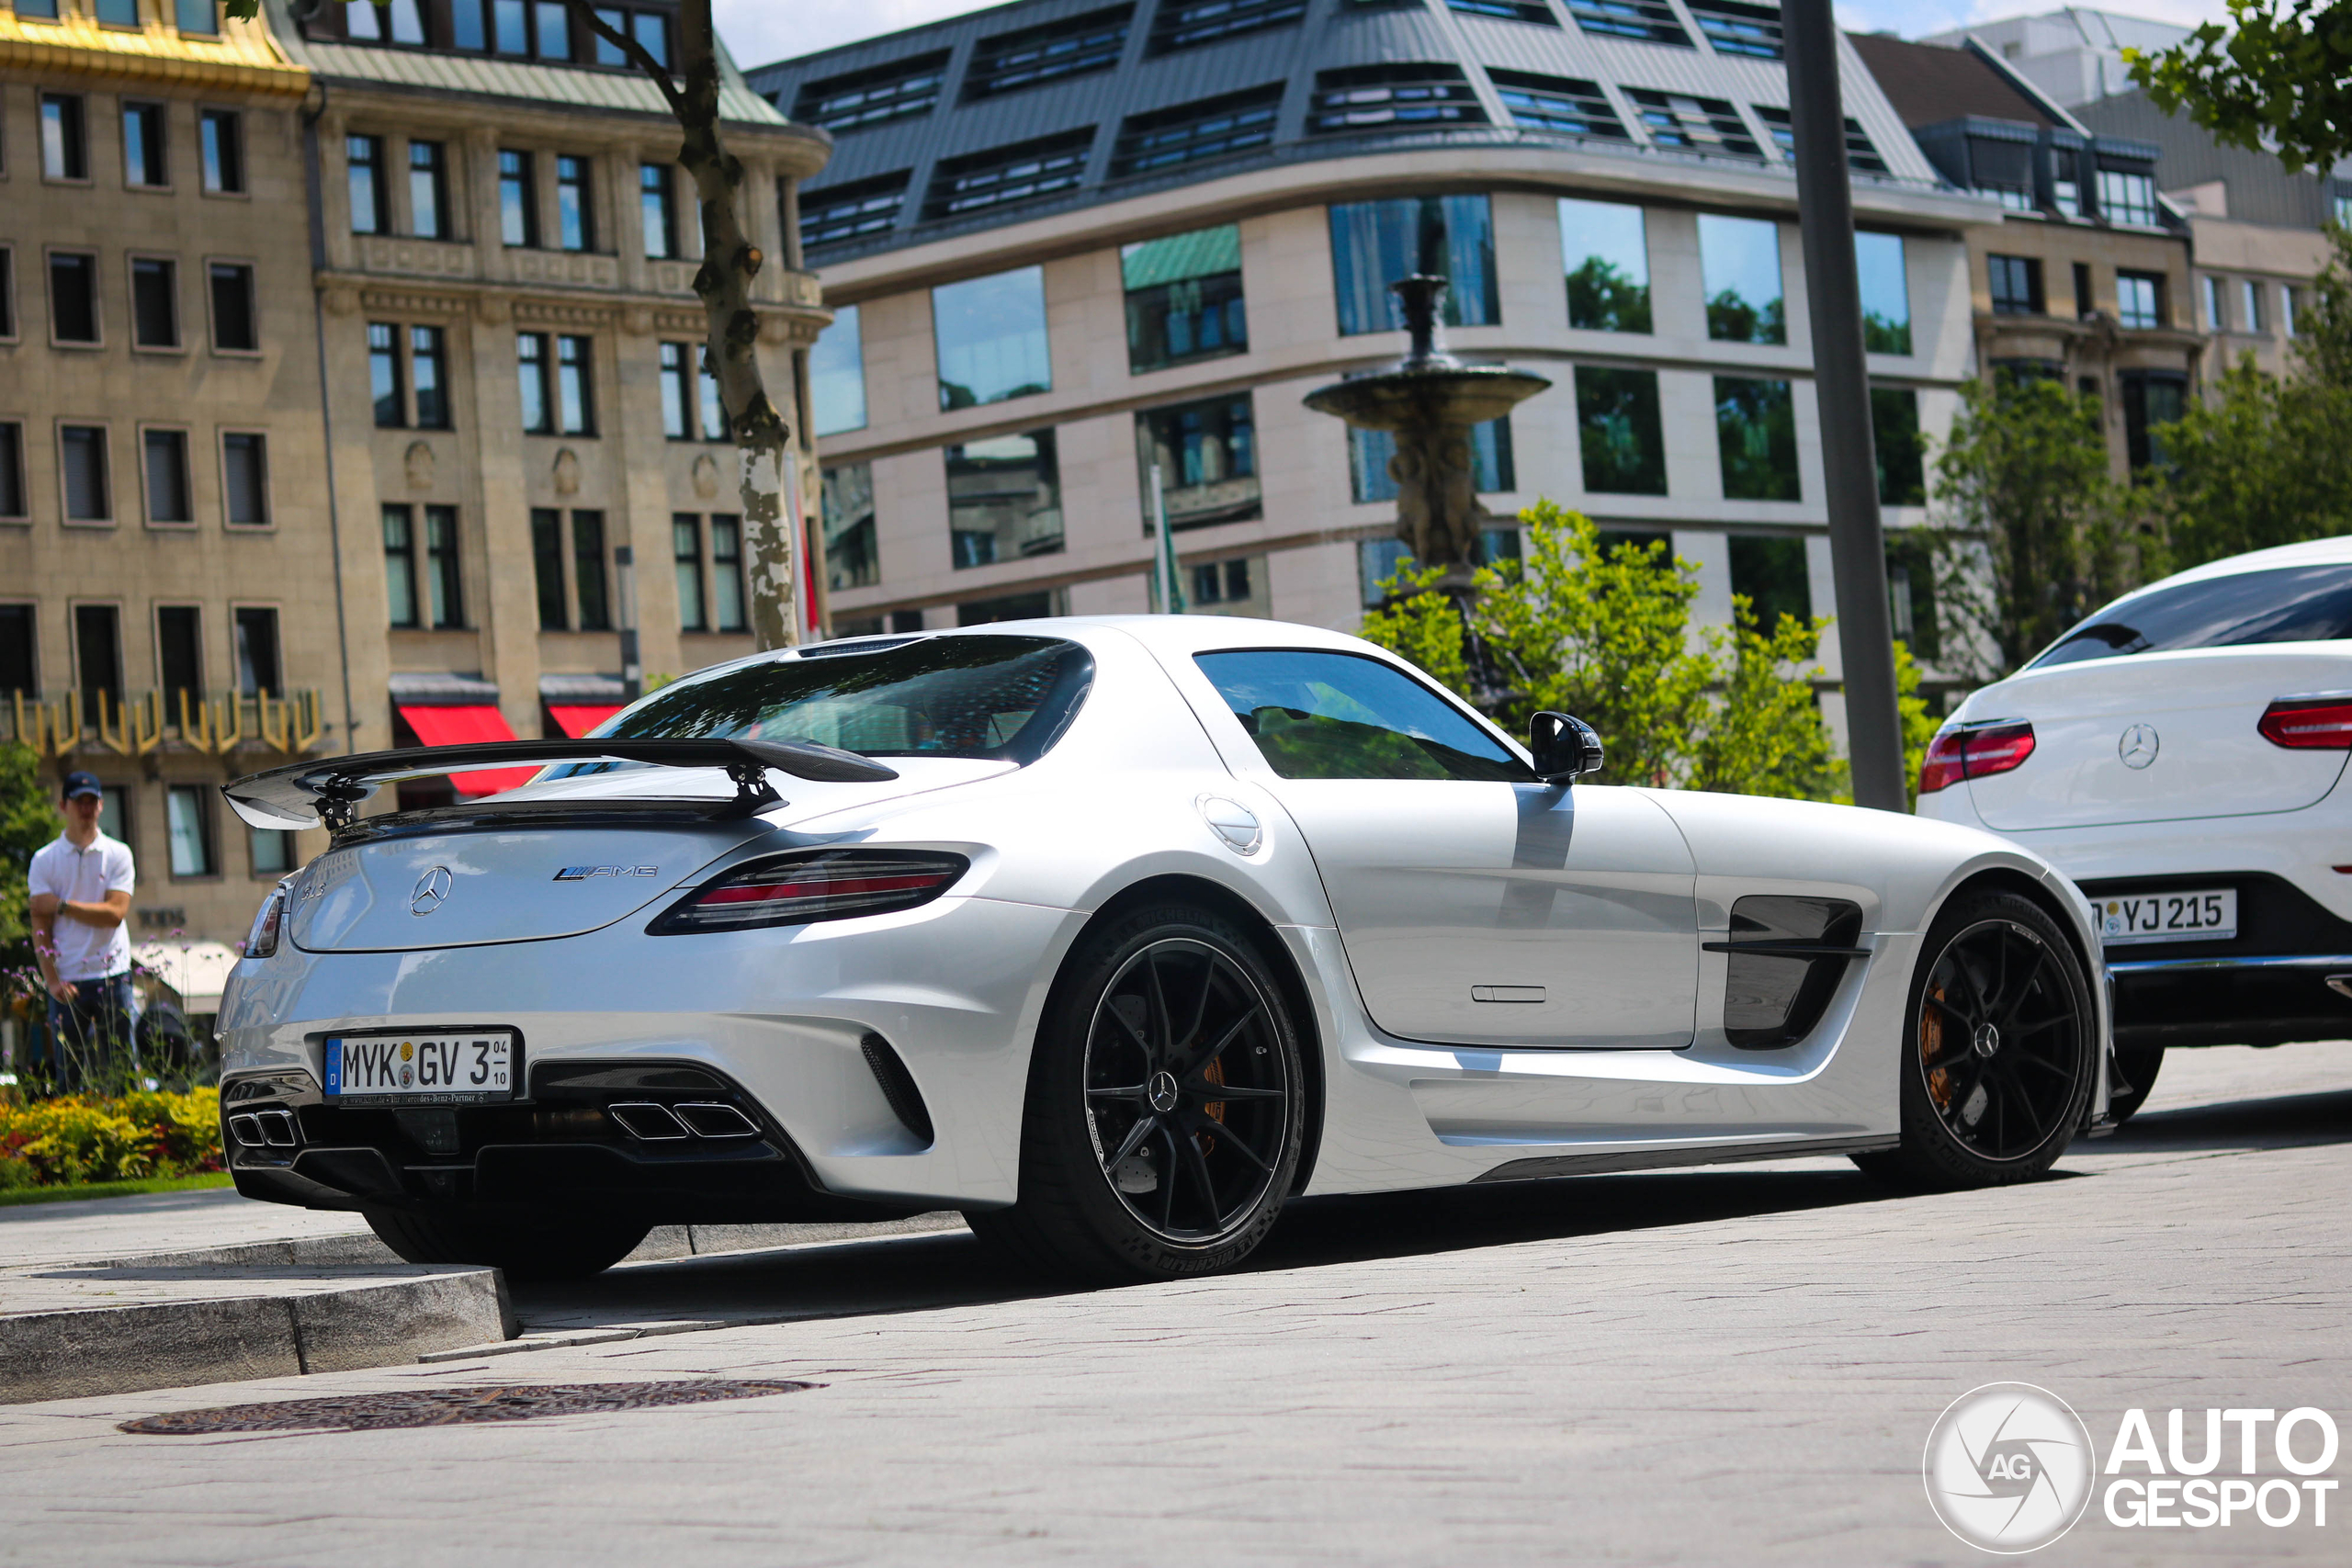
<point>2138,746</point>
<point>431,892</point>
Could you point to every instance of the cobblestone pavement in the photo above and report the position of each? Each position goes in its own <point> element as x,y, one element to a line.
<point>1733,1366</point>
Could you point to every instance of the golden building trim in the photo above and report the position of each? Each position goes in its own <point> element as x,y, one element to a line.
<point>244,59</point>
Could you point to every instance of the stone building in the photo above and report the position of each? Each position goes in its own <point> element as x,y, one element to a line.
<point>1066,241</point>
<point>2086,277</point>
<point>349,392</point>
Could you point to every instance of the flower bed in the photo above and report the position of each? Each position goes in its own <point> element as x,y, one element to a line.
<point>73,1140</point>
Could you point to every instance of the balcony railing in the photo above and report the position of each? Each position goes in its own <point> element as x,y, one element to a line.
<point>91,722</point>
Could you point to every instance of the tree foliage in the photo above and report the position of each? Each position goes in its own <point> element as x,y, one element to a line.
<point>2278,78</point>
<point>29,819</point>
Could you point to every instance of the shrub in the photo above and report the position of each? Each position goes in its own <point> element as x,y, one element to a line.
<point>72,1140</point>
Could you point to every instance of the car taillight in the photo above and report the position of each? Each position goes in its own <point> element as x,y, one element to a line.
<point>1978,752</point>
<point>262,941</point>
<point>795,890</point>
<point>2308,724</point>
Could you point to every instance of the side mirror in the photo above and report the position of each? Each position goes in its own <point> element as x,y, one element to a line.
<point>1564,748</point>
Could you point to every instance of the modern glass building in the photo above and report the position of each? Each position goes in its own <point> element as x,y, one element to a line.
<point>1071,245</point>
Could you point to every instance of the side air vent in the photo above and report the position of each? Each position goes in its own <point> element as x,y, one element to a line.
<point>897,1087</point>
<point>1787,956</point>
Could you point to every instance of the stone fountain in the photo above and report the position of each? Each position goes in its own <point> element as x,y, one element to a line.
<point>1429,399</point>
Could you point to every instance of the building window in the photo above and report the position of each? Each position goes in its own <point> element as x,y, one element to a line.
<point>2016,284</point>
<point>1606,247</point>
<point>164,462</point>
<point>1756,432</point>
<point>1187,24</point>
<point>1860,156</point>
<point>442,568</point>
<point>680,421</point>
<point>727,594</point>
<point>201,17</point>
<point>590,581</point>
<point>245,487</point>
<point>2209,291</point>
<point>19,645</point>
<point>1911,591</point>
<point>97,657</point>
<point>2290,306</point>
<point>1005,177</point>
<point>8,293</point>
<point>1407,95</point>
<point>575,214</point>
<point>518,200</point>
<point>1768,571</point>
<point>1206,452</point>
<point>190,823</point>
<point>575,382</point>
<point>554,23</point>
<point>2151,398</point>
<point>1033,606</point>
<point>874,95</point>
<point>1054,52</point>
<point>1734,28</point>
<point>270,851</point>
<point>1740,260</point>
<point>234,329</point>
<point>142,146</point>
<point>363,158</point>
<point>1622,441</point>
<point>536,372</point>
<point>511,21</point>
<point>1221,582</point>
<point>221,137</point>
<point>654,205</point>
<point>1645,21</point>
<point>13,504</point>
<point>1374,242</point>
<point>258,669</point>
<point>384,375</point>
<point>1184,299</point>
<point>837,374</point>
<point>1196,132</point>
<point>400,565</point>
<point>179,657</point>
<point>72,298</point>
<point>2083,307</point>
<point>466,29</point>
<point>428,190</point>
<point>431,596</point>
<point>2126,197</point>
<point>64,148</point>
<point>1563,104</point>
<point>89,496</point>
<point>1684,124</point>
<point>685,553</point>
<point>2249,304</point>
<point>853,207</point>
<point>116,13</point>
<point>154,302</point>
<point>1887,293</point>
<point>991,338</point>
<point>1492,470</point>
<point>2140,300</point>
<point>429,357</point>
<point>1894,436</point>
<point>546,565</point>
<point>1004,499</point>
<point>851,559</point>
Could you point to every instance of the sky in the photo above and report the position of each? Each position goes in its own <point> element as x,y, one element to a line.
<point>758,31</point>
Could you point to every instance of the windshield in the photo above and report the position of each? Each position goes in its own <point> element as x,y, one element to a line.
<point>995,698</point>
<point>2291,603</point>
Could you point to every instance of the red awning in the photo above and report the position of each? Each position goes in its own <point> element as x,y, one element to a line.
<point>578,718</point>
<point>438,726</point>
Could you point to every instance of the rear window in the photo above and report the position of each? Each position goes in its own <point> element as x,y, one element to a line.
<point>1340,716</point>
<point>1000,698</point>
<point>2288,603</point>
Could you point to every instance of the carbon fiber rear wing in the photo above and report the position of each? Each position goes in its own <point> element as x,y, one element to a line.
<point>329,790</point>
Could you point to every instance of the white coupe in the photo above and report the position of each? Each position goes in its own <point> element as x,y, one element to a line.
<point>2180,754</point>
<point>1115,934</point>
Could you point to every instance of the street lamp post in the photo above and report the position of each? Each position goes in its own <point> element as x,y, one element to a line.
<point>1841,383</point>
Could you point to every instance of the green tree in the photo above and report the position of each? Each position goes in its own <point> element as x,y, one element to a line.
<point>2278,79</point>
<point>2027,523</point>
<point>28,820</point>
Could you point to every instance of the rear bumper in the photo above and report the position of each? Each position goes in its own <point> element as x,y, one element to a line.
<point>2245,1000</point>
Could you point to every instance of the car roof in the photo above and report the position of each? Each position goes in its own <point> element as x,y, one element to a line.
<point>2310,552</point>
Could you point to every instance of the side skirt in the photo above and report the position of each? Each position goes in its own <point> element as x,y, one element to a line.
<point>1549,1166</point>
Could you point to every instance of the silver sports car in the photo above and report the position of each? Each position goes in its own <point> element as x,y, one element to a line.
<point>1115,934</point>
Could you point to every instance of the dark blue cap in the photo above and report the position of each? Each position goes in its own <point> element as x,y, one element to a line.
<point>78,783</point>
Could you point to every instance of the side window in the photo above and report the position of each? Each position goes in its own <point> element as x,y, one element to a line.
<point>1339,716</point>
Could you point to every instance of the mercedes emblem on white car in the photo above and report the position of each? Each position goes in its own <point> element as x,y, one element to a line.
<point>2137,745</point>
<point>431,892</point>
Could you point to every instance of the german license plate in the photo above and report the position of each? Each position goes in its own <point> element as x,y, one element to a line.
<point>2207,914</point>
<point>455,1067</point>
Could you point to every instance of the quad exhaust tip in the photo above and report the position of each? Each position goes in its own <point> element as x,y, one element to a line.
<point>649,1122</point>
<point>265,1129</point>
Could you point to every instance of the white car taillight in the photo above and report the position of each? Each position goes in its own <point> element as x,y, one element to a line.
<point>2308,724</point>
<point>829,885</point>
<point>262,941</point>
<point>1978,752</point>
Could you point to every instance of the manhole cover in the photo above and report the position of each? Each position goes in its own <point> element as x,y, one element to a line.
<point>452,1406</point>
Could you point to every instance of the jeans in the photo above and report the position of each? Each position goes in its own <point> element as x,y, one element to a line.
<point>92,1038</point>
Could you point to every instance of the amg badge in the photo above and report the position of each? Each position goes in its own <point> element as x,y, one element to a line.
<point>582,873</point>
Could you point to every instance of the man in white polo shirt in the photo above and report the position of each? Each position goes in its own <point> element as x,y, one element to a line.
<point>81,895</point>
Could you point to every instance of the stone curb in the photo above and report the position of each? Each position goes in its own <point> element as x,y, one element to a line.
<point>373,1323</point>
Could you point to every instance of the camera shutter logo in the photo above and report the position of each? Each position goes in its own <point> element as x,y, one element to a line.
<point>2009,1468</point>
<point>431,892</point>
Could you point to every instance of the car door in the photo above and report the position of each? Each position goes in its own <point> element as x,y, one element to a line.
<point>1477,905</point>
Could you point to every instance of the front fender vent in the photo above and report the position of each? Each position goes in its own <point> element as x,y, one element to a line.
<point>897,1087</point>
<point>1787,956</point>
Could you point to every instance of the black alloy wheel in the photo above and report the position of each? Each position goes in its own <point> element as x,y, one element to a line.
<point>1165,1115</point>
<point>2000,1048</point>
